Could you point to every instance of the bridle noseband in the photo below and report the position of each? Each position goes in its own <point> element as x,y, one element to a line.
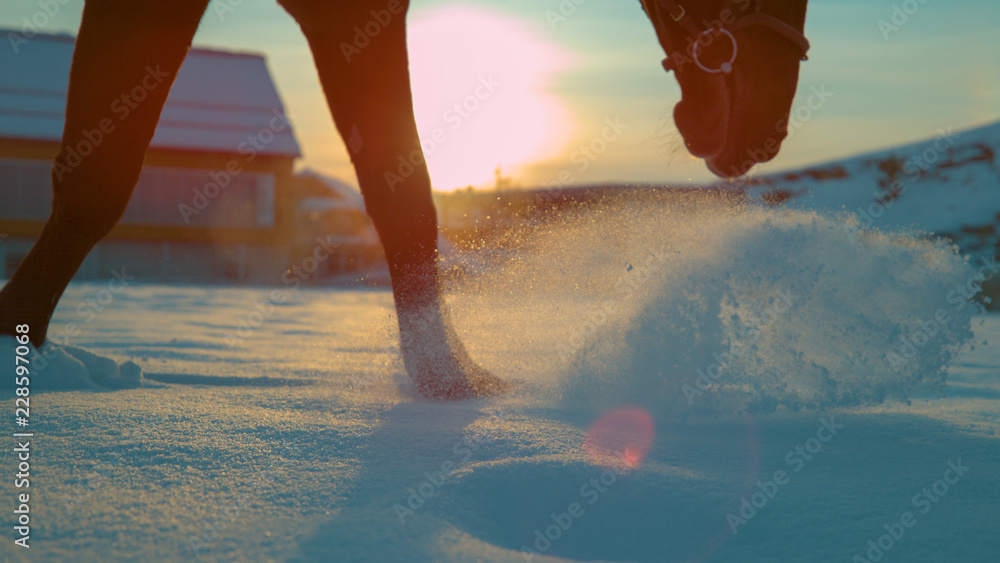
<point>668,10</point>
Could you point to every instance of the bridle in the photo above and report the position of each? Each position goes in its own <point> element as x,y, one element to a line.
<point>665,11</point>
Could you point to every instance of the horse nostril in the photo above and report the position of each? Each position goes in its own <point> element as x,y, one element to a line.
<point>703,128</point>
<point>714,169</point>
<point>702,115</point>
<point>723,169</point>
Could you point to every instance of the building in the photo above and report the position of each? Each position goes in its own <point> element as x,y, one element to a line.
<point>217,198</point>
<point>335,211</point>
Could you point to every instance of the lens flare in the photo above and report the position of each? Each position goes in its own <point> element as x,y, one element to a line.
<point>620,438</point>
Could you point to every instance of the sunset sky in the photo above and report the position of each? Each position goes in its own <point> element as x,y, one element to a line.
<point>557,84</point>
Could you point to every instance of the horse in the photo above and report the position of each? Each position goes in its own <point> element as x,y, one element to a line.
<point>737,64</point>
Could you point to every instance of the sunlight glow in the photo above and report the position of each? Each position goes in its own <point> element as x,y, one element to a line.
<point>480,93</point>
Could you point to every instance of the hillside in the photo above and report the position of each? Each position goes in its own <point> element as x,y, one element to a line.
<point>948,185</point>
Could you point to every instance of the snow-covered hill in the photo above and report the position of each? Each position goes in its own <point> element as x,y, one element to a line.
<point>948,185</point>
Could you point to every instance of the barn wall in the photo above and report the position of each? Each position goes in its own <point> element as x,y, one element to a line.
<point>242,233</point>
<point>177,189</point>
<point>188,262</point>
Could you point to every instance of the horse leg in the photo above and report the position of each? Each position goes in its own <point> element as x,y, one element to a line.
<point>125,51</point>
<point>368,91</point>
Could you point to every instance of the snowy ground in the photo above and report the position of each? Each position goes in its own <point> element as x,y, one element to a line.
<point>297,440</point>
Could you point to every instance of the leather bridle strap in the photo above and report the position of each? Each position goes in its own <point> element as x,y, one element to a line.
<point>668,10</point>
<point>776,25</point>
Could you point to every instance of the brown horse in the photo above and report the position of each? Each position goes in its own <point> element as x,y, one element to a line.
<point>737,63</point>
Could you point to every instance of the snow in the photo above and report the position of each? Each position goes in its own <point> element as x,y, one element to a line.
<point>286,431</point>
<point>217,101</point>
<point>68,367</point>
<point>946,183</point>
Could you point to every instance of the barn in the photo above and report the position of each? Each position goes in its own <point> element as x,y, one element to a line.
<point>332,213</point>
<point>217,198</point>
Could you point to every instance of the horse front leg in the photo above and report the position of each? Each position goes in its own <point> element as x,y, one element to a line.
<point>367,86</point>
<point>122,47</point>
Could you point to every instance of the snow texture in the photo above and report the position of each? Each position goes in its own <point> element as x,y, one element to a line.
<point>286,430</point>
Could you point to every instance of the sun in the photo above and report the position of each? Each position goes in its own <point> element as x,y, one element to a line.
<point>481,82</point>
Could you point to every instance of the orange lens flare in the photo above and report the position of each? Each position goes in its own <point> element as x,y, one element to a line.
<point>620,438</point>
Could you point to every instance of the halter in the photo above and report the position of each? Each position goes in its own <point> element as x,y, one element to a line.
<point>663,9</point>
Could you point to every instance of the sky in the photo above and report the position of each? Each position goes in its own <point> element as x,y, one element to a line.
<point>555,84</point>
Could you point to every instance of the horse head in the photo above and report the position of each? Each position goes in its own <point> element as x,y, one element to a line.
<point>737,62</point>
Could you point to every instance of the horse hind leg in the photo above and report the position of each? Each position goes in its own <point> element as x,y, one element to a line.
<point>125,50</point>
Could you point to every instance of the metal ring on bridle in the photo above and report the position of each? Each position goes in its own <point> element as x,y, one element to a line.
<point>725,67</point>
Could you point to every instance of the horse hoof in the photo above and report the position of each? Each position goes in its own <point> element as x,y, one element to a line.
<point>478,386</point>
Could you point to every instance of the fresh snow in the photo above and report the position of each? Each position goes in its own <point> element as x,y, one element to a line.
<point>269,429</point>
